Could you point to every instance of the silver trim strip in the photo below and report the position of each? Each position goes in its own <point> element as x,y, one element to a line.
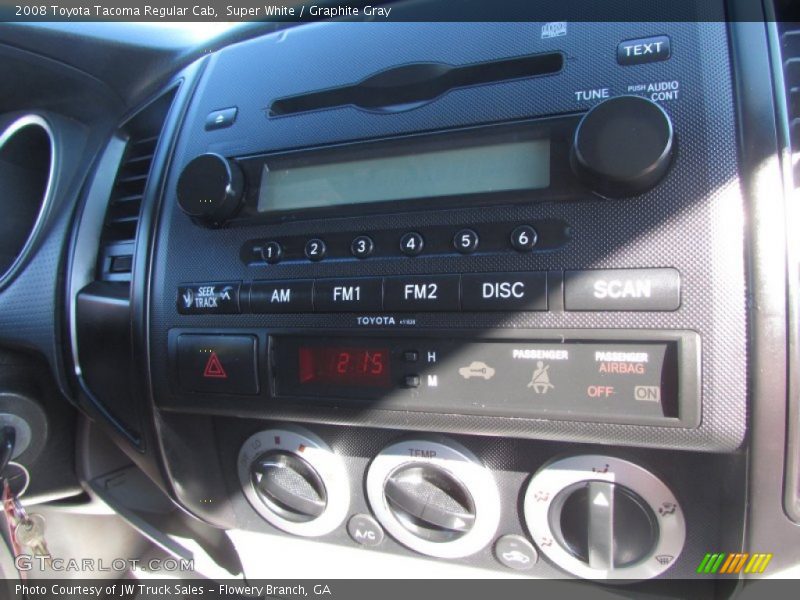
<point>9,132</point>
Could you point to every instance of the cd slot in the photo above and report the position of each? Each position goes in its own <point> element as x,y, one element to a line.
<point>408,86</point>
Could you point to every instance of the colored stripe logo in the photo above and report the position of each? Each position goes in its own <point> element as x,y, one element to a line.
<point>724,563</point>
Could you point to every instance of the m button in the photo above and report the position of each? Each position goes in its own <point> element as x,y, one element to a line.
<point>218,364</point>
<point>348,295</point>
<point>504,291</point>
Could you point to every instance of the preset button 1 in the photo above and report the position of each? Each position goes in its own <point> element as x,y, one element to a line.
<point>422,293</point>
<point>504,291</point>
<point>348,295</point>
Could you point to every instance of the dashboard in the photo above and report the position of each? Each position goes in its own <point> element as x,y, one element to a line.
<point>478,299</point>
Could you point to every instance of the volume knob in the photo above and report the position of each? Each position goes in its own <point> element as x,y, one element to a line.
<point>210,188</point>
<point>623,146</point>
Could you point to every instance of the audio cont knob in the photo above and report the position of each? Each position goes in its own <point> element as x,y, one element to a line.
<point>623,146</point>
<point>294,480</point>
<point>210,188</point>
<point>601,517</point>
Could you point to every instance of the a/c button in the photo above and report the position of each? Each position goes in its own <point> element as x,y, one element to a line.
<point>504,291</point>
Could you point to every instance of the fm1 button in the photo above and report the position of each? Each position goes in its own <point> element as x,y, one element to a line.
<point>515,552</point>
<point>504,291</point>
<point>622,289</point>
<point>422,293</point>
<point>348,295</point>
<point>364,530</point>
<point>218,364</point>
<point>281,296</point>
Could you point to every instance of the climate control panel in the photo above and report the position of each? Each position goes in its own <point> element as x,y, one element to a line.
<point>593,516</point>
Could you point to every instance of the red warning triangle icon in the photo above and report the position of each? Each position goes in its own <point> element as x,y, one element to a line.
<point>214,369</point>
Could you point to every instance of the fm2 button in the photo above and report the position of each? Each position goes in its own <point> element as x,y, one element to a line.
<point>504,291</point>
<point>421,293</point>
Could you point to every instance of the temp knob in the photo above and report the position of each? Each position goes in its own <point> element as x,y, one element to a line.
<point>210,189</point>
<point>623,146</point>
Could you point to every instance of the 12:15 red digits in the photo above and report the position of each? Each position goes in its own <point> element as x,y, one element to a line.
<point>344,366</point>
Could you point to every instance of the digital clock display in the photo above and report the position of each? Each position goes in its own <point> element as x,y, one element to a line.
<point>332,365</point>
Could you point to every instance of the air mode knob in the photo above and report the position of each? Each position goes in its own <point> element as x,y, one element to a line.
<point>210,188</point>
<point>623,146</point>
<point>602,517</point>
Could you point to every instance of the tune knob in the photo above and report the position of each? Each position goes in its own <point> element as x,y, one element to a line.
<point>210,188</point>
<point>623,146</point>
<point>601,517</point>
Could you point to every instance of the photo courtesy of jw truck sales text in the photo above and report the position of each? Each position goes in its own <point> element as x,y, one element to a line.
<point>396,300</point>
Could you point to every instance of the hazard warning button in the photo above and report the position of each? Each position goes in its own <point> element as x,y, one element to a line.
<point>218,364</point>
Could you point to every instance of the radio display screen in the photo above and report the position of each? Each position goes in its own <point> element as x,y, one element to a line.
<point>335,365</point>
<point>406,171</point>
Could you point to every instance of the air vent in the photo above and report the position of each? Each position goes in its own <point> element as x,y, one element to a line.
<point>115,258</point>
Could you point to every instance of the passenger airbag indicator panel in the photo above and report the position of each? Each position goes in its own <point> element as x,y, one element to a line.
<point>592,380</point>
